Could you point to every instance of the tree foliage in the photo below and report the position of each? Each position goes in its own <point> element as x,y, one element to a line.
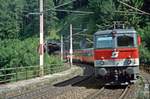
<point>19,29</point>
<point>10,19</point>
<point>108,11</point>
<point>15,52</point>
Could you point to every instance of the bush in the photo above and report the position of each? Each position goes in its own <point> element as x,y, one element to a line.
<point>17,53</point>
<point>145,47</point>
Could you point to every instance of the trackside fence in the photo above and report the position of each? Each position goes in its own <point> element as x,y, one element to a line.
<point>145,67</point>
<point>26,72</point>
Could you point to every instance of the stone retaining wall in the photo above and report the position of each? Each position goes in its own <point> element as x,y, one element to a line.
<point>21,87</point>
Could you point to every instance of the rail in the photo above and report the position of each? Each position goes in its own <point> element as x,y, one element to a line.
<point>104,89</point>
<point>26,72</point>
<point>94,95</point>
<point>124,92</point>
<point>41,93</point>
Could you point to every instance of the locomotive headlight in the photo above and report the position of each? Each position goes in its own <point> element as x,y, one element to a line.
<point>100,62</point>
<point>97,62</point>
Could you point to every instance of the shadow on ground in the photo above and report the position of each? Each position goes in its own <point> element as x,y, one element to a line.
<point>91,82</point>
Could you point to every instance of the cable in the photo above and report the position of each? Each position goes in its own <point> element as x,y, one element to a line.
<point>129,13</point>
<point>63,10</point>
<point>134,8</point>
<point>60,5</point>
<point>56,6</point>
<point>64,4</point>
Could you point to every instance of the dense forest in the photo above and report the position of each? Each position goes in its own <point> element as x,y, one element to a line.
<point>19,30</point>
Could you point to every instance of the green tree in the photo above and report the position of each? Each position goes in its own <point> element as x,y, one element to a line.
<point>30,23</point>
<point>10,19</point>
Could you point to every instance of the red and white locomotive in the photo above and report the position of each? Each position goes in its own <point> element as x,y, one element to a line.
<point>115,55</point>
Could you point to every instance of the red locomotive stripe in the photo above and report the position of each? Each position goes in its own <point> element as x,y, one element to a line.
<point>88,59</point>
<point>122,53</point>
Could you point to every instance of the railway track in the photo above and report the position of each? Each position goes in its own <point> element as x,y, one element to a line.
<point>94,95</point>
<point>93,90</point>
<point>68,83</point>
<point>75,81</point>
<point>47,91</point>
<point>80,87</point>
<point>101,91</point>
<point>43,93</point>
<point>124,92</point>
<point>110,93</point>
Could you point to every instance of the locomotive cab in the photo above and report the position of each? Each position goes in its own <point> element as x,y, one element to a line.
<point>116,55</point>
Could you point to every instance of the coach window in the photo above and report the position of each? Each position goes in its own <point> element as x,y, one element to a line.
<point>125,41</point>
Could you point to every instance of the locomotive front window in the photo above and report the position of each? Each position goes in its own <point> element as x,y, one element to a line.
<point>125,41</point>
<point>103,42</point>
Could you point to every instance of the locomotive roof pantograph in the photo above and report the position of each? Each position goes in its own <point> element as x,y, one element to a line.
<point>126,31</point>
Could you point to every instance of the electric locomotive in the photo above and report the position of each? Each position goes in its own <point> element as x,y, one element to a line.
<point>116,56</point>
